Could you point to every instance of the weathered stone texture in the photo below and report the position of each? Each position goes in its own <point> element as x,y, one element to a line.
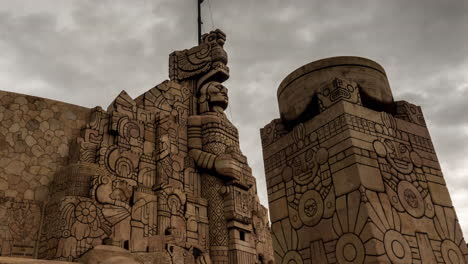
<point>155,179</point>
<point>354,185</point>
<point>35,136</point>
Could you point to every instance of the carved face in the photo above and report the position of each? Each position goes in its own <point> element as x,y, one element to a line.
<point>412,112</point>
<point>217,36</point>
<point>338,89</point>
<point>305,166</point>
<point>310,207</point>
<point>411,198</point>
<point>213,94</point>
<point>398,155</point>
<point>216,39</point>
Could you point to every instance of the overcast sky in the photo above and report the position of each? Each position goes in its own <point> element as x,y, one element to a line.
<point>86,51</point>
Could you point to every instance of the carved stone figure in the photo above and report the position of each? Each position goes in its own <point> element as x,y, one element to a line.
<point>155,179</point>
<point>214,145</point>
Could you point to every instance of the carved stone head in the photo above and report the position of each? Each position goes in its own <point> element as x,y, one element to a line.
<point>409,112</point>
<point>216,40</point>
<point>337,90</point>
<point>207,61</point>
<point>213,94</point>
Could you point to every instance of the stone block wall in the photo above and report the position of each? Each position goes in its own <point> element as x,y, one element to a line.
<point>35,137</point>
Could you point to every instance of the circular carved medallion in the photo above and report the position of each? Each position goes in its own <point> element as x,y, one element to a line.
<point>349,249</point>
<point>86,212</point>
<point>411,199</point>
<point>311,208</point>
<point>397,248</point>
<point>292,257</point>
<point>451,253</point>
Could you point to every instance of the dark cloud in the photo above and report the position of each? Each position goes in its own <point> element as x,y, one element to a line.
<point>86,52</point>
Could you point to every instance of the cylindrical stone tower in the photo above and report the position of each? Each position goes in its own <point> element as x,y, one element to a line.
<point>352,175</point>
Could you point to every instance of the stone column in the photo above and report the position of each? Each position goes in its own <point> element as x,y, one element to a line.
<point>353,176</point>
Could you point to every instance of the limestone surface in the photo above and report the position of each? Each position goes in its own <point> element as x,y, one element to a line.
<point>155,179</point>
<point>356,178</point>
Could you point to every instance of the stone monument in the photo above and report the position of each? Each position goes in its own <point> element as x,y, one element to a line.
<point>352,175</point>
<point>155,179</point>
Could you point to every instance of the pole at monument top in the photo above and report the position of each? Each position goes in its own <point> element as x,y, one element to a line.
<point>199,21</point>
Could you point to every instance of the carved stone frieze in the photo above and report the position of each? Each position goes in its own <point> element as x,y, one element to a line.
<point>355,185</point>
<point>155,179</point>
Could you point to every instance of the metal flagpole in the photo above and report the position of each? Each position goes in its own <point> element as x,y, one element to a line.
<point>199,21</point>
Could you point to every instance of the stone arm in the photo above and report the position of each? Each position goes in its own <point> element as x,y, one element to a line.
<point>202,158</point>
<point>222,164</point>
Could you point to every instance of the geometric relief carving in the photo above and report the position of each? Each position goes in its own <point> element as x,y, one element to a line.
<point>130,133</point>
<point>406,183</point>
<point>359,237</point>
<point>140,182</point>
<point>19,227</point>
<point>147,174</point>
<point>317,252</point>
<point>209,55</point>
<point>242,202</point>
<point>107,189</point>
<point>123,163</point>
<point>210,189</point>
<point>425,249</point>
<point>397,154</point>
<point>451,252</point>
<point>74,226</point>
<point>308,181</point>
<point>336,90</point>
<point>411,199</point>
<point>144,211</point>
<point>387,220</point>
<point>446,225</point>
<point>409,112</point>
<point>348,223</point>
<point>354,185</point>
<point>272,132</point>
<point>311,208</point>
<point>350,249</point>
<point>397,248</point>
<point>292,257</point>
<point>285,242</point>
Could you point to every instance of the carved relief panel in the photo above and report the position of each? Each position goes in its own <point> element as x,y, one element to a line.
<point>19,227</point>
<point>130,186</point>
<point>126,161</point>
<point>359,187</point>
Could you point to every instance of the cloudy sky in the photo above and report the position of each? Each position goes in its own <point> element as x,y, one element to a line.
<point>85,52</point>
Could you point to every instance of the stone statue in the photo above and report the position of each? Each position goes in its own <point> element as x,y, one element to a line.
<point>221,136</point>
<point>155,179</point>
<point>227,178</point>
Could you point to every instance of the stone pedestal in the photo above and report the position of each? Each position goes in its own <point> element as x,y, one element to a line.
<point>351,184</point>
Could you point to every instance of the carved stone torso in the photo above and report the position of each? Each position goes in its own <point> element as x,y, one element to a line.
<point>220,136</point>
